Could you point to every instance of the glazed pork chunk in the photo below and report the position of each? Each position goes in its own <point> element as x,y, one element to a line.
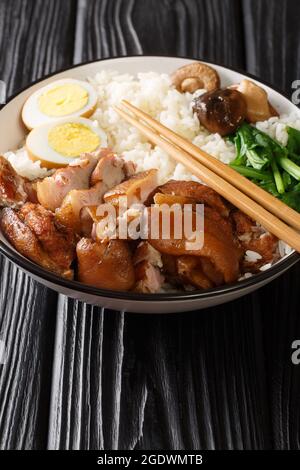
<point>220,250</point>
<point>148,263</point>
<point>197,193</point>
<point>105,265</point>
<point>108,173</point>
<point>13,188</point>
<point>254,239</point>
<point>52,190</point>
<point>35,233</point>
<point>137,188</point>
<point>86,171</point>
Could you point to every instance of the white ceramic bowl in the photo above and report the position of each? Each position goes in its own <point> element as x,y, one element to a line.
<point>12,133</point>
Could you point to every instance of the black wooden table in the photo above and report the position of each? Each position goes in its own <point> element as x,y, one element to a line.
<point>77,376</point>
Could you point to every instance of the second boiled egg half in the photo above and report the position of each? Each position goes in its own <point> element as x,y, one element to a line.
<point>58,143</point>
<point>60,99</point>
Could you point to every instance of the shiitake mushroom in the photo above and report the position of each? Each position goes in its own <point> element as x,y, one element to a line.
<point>221,111</point>
<point>256,98</point>
<point>196,75</point>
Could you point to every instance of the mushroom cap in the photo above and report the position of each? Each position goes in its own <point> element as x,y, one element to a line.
<point>221,111</point>
<point>258,106</point>
<point>195,76</point>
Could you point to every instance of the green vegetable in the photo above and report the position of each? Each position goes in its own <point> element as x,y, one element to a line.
<point>293,145</point>
<point>248,149</point>
<point>252,173</point>
<point>292,198</point>
<point>270,186</point>
<point>287,180</point>
<point>290,167</point>
<point>268,163</point>
<point>277,177</point>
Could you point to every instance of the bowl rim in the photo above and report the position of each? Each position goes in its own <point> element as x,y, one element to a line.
<point>39,272</point>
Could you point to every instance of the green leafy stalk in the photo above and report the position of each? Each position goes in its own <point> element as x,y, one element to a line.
<point>249,150</point>
<point>289,166</point>
<point>269,164</point>
<point>277,177</point>
<point>293,144</point>
<point>288,181</point>
<point>292,198</point>
<point>252,173</point>
<point>270,186</point>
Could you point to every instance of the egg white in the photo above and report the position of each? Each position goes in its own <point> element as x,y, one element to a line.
<point>32,116</point>
<point>38,148</point>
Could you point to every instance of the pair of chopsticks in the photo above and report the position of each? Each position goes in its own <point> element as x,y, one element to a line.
<point>257,203</point>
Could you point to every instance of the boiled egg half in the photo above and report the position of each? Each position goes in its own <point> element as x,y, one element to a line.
<point>62,98</point>
<point>58,143</point>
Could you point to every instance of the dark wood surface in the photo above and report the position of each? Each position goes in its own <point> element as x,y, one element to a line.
<point>77,376</point>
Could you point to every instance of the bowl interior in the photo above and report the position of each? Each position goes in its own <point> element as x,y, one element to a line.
<point>13,131</point>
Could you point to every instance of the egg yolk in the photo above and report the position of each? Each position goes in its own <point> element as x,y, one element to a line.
<point>71,139</point>
<point>62,100</point>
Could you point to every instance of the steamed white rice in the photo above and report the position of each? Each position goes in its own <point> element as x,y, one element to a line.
<point>153,93</point>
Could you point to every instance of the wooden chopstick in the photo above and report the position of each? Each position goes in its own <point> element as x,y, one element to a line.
<point>261,196</point>
<point>258,213</point>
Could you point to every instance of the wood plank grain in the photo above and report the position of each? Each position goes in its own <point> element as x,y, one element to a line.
<point>281,326</point>
<point>272,41</point>
<point>206,379</point>
<point>77,360</point>
<point>34,40</point>
<point>272,52</point>
<point>187,381</point>
<point>220,378</point>
<point>174,27</point>
<point>27,324</point>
